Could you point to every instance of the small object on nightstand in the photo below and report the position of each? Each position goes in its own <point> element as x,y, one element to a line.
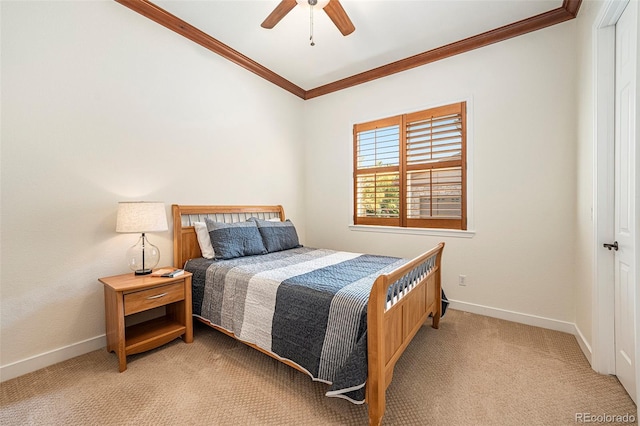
<point>173,274</point>
<point>167,272</point>
<point>129,294</point>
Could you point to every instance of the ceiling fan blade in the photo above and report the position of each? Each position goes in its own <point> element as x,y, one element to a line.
<point>336,13</point>
<point>278,13</point>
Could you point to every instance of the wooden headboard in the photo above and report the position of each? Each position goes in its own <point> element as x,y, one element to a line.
<point>185,242</point>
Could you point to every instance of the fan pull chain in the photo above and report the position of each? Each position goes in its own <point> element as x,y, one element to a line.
<point>311,24</point>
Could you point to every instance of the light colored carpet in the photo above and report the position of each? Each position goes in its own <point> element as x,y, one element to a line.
<point>474,370</point>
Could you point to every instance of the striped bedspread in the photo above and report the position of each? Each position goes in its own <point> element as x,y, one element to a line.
<point>304,305</point>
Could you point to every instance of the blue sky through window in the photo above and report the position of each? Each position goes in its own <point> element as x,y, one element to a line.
<point>379,147</point>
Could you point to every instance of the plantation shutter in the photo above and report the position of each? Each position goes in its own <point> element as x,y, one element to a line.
<point>377,172</point>
<point>410,170</point>
<point>435,172</point>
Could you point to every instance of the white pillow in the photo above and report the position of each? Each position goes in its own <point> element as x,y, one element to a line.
<point>203,240</point>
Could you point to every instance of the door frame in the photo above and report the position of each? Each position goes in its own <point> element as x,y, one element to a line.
<point>603,298</point>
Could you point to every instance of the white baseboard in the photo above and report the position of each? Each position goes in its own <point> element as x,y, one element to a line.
<point>46,359</point>
<point>584,345</point>
<point>55,356</point>
<point>534,320</point>
<point>551,324</point>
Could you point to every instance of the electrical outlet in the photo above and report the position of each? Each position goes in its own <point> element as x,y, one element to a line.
<point>462,280</point>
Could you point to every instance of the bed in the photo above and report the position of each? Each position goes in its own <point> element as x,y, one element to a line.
<point>261,299</point>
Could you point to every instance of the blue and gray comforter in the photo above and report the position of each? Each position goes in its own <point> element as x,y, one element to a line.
<point>305,305</point>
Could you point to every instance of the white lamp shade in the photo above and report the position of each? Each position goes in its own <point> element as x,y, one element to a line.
<point>141,216</point>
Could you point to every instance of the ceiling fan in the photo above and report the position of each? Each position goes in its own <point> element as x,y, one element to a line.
<point>333,9</point>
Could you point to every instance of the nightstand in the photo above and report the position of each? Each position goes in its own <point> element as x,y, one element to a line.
<point>131,294</point>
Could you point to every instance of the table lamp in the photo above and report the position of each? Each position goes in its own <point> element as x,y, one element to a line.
<point>142,217</point>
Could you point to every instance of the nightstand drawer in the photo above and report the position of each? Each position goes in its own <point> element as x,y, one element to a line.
<point>153,297</point>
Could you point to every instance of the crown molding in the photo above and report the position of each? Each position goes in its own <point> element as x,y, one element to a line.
<point>172,22</point>
<point>515,29</point>
<point>568,11</point>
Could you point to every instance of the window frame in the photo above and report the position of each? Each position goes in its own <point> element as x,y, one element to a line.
<point>456,226</point>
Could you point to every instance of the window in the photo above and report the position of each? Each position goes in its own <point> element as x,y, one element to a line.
<point>410,170</point>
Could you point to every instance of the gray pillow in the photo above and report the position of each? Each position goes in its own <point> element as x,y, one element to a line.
<point>230,240</point>
<point>277,236</point>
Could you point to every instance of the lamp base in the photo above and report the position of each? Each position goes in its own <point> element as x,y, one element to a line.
<point>143,256</point>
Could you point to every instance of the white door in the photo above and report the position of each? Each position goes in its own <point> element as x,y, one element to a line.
<point>625,209</point>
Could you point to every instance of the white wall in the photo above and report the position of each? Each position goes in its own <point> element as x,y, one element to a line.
<point>637,242</point>
<point>585,107</point>
<point>523,93</point>
<point>101,105</point>
<point>98,103</point>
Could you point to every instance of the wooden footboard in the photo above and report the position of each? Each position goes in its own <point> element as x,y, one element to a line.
<point>399,304</point>
<point>392,322</point>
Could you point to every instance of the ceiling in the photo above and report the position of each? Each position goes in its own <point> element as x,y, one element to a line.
<point>387,31</point>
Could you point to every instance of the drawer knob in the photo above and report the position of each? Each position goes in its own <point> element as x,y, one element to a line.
<point>157,296</point>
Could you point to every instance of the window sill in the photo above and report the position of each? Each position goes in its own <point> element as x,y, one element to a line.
<point>414,231</point>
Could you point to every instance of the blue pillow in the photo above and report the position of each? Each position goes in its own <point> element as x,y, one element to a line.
<point>277,236</point>
<point>230,240</point>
